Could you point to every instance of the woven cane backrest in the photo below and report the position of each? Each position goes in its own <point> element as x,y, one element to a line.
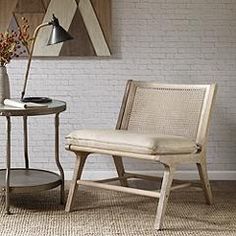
<point>166,109</point>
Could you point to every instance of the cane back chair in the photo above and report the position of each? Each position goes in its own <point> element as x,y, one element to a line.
<point>162,123</point>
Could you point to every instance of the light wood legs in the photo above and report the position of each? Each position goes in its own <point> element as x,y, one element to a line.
<point>79,165</point>
<point>120,170</point>
<point>164,195</point>
<point>202,169</point>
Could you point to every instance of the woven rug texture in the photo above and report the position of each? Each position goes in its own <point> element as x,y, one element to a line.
<point>106,213</point>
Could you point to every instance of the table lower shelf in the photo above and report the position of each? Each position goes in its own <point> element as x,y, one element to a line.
<point>29,180</point>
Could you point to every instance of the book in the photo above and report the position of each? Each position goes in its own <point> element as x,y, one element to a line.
<point>26,105</point>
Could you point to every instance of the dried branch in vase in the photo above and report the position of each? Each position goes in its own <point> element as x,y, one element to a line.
<point>11,43</point>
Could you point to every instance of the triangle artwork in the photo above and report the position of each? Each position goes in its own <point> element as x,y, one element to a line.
<point>88,21</point>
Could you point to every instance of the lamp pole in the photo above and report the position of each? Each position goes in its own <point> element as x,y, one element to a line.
<point>31,55</point>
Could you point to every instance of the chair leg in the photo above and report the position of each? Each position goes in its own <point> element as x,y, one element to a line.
<point>120,170</point>
<point>202,169</point>
<point>165,192</point>
<point>79,165</point>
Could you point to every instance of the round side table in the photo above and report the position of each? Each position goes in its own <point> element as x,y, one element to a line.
<point>27,180</point>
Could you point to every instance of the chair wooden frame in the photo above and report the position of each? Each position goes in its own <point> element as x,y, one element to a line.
<point>169,161</point>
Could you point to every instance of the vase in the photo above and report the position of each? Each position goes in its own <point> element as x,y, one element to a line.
<point>4,84</point>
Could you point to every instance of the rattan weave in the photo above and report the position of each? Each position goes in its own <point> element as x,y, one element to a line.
<point>166,111</point>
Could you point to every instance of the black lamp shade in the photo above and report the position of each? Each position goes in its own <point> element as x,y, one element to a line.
<point>58,34</point>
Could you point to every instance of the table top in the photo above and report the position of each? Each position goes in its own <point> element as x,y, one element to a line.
<point>55,106</point>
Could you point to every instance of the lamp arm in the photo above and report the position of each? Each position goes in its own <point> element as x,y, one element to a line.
<point>31,55</point>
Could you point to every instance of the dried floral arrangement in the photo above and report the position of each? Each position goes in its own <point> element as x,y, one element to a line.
<point>11,43</point>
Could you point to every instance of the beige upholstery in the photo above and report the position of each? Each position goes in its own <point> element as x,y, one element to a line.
<point>127,141</point>
<point>162,123</point>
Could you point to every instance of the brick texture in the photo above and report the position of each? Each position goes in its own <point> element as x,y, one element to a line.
<point>170,41</point>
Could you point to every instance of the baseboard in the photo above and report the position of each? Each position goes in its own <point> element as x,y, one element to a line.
<point>190,175</point>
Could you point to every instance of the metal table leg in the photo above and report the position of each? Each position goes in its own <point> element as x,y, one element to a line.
<point>8,165</point>
<point>57,158</point>
<point>26,142</point>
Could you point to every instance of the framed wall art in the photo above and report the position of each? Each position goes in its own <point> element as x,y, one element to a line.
<point>88,21</point>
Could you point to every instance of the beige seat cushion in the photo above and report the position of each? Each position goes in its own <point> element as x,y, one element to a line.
<point>126,141</point>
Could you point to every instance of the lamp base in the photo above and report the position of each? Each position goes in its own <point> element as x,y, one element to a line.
<point>37,99</point>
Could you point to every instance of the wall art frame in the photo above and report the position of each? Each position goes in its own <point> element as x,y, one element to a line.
<point>88,21</point>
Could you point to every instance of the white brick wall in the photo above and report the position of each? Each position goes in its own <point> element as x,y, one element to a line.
<point>174,41</point>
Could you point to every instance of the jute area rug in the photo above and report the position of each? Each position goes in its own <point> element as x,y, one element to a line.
<point>105,213</point>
